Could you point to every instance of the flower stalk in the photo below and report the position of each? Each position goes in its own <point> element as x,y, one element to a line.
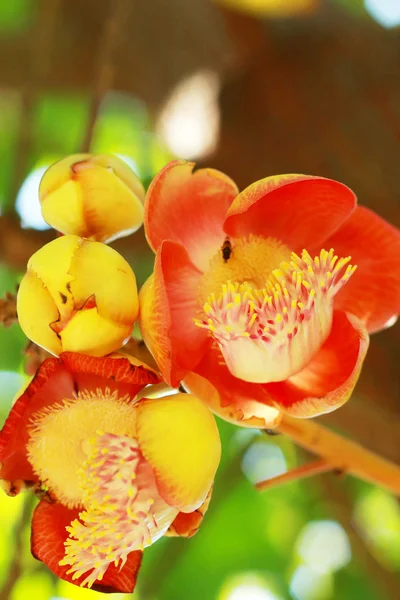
<point>336,453</point>
<point>316,467</point>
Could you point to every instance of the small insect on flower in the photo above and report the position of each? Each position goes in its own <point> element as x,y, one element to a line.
<point>226,249</point>
<point>279,287</point>
<point>119,472</point>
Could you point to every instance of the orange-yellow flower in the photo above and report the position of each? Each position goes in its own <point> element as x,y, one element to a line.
<point>78,295</point>
<point>254,302</point>
<point>119,472</point>
<point>94,196</point>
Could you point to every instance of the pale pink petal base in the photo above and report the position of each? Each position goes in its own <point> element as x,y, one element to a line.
<point>242,403</point>
<point>329,379</point>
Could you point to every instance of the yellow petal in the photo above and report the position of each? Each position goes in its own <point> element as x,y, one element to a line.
<point>179,438</point>
<point>63,209</point>
<point>51,264</point>
<point>122,170</point>
<point>99,270</point>
<point>89,333</point>
<point>98,197</point>
<point>36,311</point>
<point>154,324</point>
<point>58,174</point>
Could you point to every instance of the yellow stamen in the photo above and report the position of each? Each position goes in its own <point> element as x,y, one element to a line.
<point>62,436</point>
<point>271,333</point>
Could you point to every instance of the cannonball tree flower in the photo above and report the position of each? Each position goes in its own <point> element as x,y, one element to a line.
<point>255,302</point>
<point>115,471</point>
<point>78,295</point>
<point>94,196</point>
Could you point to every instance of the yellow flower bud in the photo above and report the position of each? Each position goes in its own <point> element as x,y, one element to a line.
<point>78,295</point>
<point>93,196</point>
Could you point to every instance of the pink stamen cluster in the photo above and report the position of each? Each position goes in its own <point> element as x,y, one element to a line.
<point>295,293</point>
<point>118,516</point>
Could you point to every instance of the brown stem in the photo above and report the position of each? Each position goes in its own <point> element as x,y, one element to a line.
<point>342,454</point>
<point>8,310</point>
<point>40,53</point>
<point>119,11</point>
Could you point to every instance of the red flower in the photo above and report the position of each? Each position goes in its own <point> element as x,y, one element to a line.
<point>113,470</point>
<point>253,303</point>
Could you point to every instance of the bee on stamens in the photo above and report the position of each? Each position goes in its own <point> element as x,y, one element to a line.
<point>226,249</point>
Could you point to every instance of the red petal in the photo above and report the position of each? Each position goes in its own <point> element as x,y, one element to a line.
<point>91,372</point>
<point>51,384</point>
<point>299,210</point>
<point>168,307</point>
<point>187,524</point>
<point>329,379</point>
<point>190,208</point>
<point>373,292</point>
<point>47,544</point>
<point>56,380</point>
<point>235,400</point>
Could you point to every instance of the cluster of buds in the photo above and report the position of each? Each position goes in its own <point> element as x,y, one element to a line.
<point>78,294</point>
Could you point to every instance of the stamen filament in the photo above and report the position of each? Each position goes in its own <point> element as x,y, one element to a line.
<point>288,320</point>
<point>106,532</point>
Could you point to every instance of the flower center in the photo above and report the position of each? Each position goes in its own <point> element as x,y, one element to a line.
<point>269,334</point>
<point>59,438</point>
<point>249,259</point>
<point>104,474</point>
<point>124,511</point>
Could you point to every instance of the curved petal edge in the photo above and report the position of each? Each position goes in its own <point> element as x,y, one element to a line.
<point>298,210</point>
<point>188,206</point>
<point>329,379</point>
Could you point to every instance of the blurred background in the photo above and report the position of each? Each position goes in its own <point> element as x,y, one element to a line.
<point>254,88</point>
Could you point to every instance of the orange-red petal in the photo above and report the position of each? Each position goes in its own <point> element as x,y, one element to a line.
<point>235,400</point>
<point>168,304</point>
<point>58,379</point>
<point>187,524</point>
<point>373,292</point>
<point>116,372</point>
<point>51,384</point>
<point>329,379</point>
<point>299,210</point>
<point>49,533</point>
<point>189,207</point>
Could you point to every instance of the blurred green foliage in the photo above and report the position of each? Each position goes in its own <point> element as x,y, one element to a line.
<point>9,118</point>
<point>16,15</point>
